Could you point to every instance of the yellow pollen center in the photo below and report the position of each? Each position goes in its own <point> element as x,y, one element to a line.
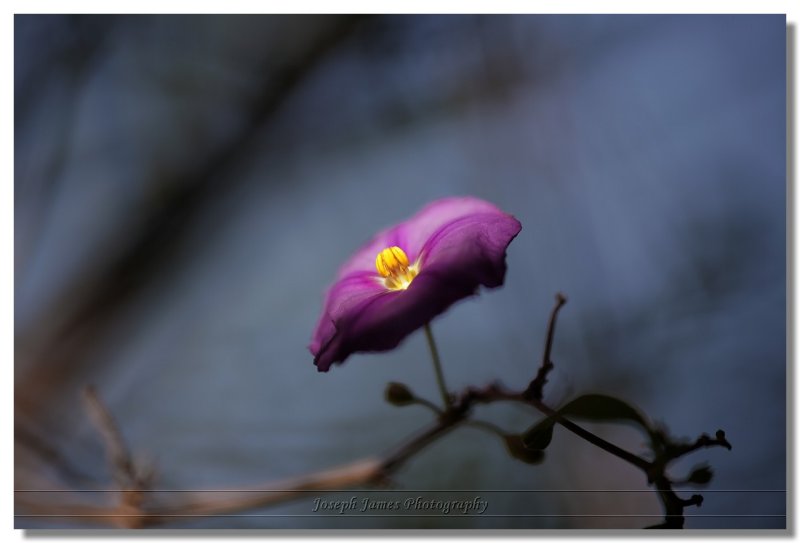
<point>392,265</point>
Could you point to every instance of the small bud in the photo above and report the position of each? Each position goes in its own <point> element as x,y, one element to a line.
<point>701,475</point>
<point>538,437</point>
<point>518,450</point>
<point>724,442</point>
<point>398,394</point>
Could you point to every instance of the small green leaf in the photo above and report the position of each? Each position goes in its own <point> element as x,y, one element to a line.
<point>539,436</point>
<point>398,394</point>
<point>592,407</point>
<point>701,475</point>
<point>599,407</point>
<point>518,450</point>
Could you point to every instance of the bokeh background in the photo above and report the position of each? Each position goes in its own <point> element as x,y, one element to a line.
<point>187,186</point>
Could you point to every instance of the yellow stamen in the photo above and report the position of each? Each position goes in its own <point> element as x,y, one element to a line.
<point>392,264</point>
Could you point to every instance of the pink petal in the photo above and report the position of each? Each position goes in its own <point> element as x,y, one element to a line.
<point>461,244</point>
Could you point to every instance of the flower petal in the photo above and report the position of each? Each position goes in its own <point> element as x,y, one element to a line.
<point>343,296</point>
<point>471,249</point>
<point>459,254</point>
<point>412,234</point>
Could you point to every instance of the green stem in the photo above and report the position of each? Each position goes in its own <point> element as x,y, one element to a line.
<point>437,366</point>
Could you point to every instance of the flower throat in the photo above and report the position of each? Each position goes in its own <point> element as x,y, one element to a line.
<point>392,265</point>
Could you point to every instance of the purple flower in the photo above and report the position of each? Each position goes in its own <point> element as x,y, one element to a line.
<point>410,273</point>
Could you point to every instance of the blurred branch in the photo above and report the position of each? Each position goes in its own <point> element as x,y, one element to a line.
<point>119,458</point>
<point>86,308</point>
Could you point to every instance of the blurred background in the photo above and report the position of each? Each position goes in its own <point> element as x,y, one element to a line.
<point>187,186</point>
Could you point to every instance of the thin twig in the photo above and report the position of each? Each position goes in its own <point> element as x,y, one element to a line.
<point>594,439</point>
<point>406,450</point>
<point>118,456</point>
<point>130,481</point>
<point>496,393</point>
<point>364,472</point>
<point>536,387</point>
<point>704,441</point>
<point>429,404</point>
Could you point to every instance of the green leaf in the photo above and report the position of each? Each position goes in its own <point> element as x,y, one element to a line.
<point>518,450</point>
<point>602,408</point>
<point>398,394</point>
<point>591,407</point>
<point>539,436</point>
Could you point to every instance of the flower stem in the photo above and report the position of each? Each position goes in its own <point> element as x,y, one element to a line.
<point>437,366</point>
